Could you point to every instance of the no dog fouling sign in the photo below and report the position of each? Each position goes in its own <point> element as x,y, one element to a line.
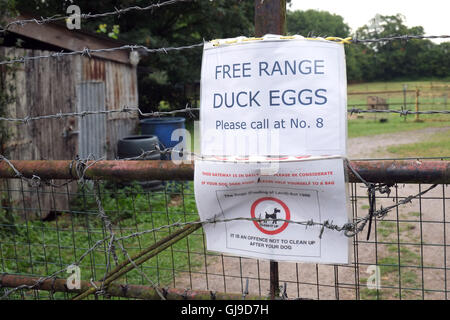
<point>276,217</point>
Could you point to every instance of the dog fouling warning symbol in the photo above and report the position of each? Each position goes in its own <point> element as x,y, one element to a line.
<point>270,212</point>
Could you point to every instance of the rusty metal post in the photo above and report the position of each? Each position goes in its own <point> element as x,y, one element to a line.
<point>270,17</point>
<point>111,170</point>
<point>385,171</point>
<point>274,289</point>
<point>119,290</point>
<point>274,280</point>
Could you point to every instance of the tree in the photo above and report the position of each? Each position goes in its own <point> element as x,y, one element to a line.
<point>359,61</point>
<point>323,23</point>
<point>393,59</point>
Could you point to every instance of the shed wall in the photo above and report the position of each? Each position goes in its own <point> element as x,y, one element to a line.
<point>49,86</point>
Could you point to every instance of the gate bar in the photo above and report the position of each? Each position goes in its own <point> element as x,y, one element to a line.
<point>386,171</point>
<point>120,290</point>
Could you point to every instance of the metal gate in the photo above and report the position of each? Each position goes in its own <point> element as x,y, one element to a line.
<point>127,242</point>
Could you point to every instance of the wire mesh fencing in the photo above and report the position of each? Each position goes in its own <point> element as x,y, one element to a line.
<point>422,101</point>
<point>142,240</point>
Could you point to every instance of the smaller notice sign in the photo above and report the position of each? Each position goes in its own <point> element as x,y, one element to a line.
<point>262,211</point>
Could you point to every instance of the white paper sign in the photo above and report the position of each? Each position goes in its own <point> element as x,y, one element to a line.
<point>274,97</point>
<point>300,191</point>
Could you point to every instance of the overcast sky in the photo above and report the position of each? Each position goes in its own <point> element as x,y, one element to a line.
<point>433,15</point>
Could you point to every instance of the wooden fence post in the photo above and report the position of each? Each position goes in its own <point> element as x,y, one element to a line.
<point>417,104</point>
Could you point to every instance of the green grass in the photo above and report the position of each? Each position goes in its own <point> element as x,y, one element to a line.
<point>392,260</point>
<point>438,145</point>
<point>414,214</point>
<point>385,228</point>
<point>395,123</point>
<point>370,294</point>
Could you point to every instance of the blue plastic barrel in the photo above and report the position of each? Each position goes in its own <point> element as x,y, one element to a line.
<point>163,128</point>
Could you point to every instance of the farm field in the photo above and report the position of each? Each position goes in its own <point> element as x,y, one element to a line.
<point>398,85</point>
<point>401,136</point>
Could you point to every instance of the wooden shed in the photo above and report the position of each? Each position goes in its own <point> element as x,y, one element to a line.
<point>101,81</point>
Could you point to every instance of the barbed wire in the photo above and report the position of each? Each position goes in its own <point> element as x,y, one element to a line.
<point>307,223</point>
<point>116,12</point>
<point>350,230</point>
<point>35,181</point>
<point>400,37</point>
<point>188,110</point>
<point>347,40</point>
<point>382,212</point>
<point>371,193</point>
<point>80,166</point>
<point>87,52</point>
<point>81,114</point>
<point>111,247</point>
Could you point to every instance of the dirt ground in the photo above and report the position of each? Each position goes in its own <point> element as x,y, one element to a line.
<point>422,253</point>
